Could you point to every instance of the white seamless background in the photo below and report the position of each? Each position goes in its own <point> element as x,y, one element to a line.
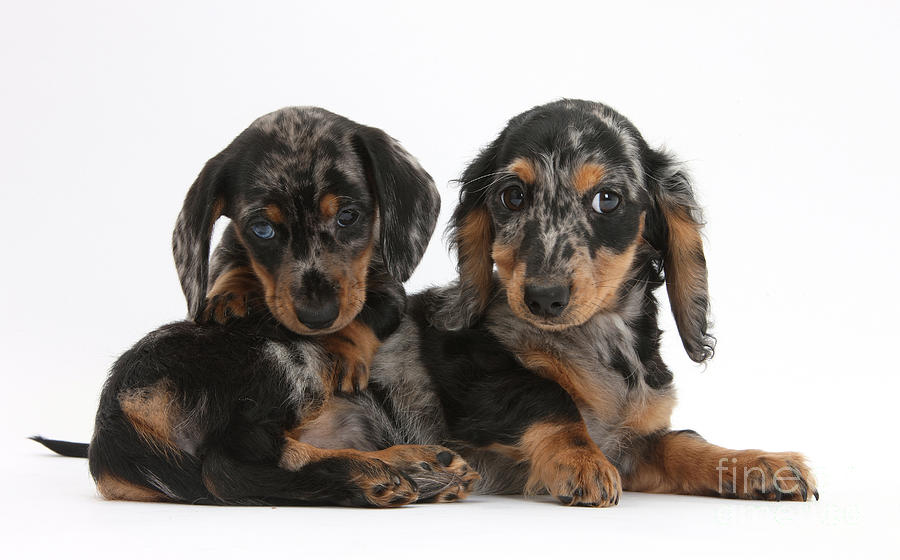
<point>785,112</point>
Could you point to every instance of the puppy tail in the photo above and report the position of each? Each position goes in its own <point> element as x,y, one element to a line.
<point>64,448</point>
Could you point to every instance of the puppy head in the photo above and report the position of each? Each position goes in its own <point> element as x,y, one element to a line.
<point>315,199</point>
<point>565,202</point>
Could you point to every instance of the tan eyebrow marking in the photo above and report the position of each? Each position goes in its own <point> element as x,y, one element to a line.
<point>588,175</point>
<point>274,214</point>
<point>328,205</point>
<point>524,168</point>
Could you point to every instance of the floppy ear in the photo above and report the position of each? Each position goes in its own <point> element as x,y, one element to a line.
<point>204,203</point>
<point>674,230</point>
<point>472,235</point>
<point>408,201</point>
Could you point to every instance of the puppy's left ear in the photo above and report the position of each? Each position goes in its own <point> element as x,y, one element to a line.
<point>673,228</point>
<point>408,202</point>
<point>203,205</point>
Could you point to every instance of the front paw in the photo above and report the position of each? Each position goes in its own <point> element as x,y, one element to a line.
<point>579,478</point>
<point>383,485</point>
<point>440,474</point>
<point>351,373</point>
<point>758,475</point>
<point>224,307</point>
<point>352,349</point>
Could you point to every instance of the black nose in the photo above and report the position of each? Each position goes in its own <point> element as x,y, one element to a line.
<point>546,301</point>
<point>318,315</point>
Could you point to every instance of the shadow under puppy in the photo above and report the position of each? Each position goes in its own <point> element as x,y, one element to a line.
<point>546,374</point>
<point>328,218</point>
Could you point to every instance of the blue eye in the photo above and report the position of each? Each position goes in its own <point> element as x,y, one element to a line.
<point>263,230</point>
<point>605,202</point>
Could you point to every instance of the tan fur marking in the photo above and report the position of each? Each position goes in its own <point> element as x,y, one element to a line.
<point>512,276</point>
<point>231,293</point>
<point>351,297</point>
<point>684,272</point>
<point>329,205</point>
<point>683,463</point>
<point>505,258</point>
<point>297,455</point>
<point>562,458</point>
<point>588,176</point>
<point>474,243</point>
<point>595,283</point>
<point>274,214</point>
<point>651,414</point>
<point>525,170</point>
<point>574,381</point>
<point>153,412</point>
<point>352,293</point>
<point>262,275</point>
<point>372,476</point>
<point>113,488</point>
<point>353,283</point>
<point>217,208</point>
<point>354,349</point>
<point>381,484</point>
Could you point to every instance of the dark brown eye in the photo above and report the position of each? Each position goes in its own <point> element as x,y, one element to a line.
<point>513,198</point>
<point>347,217</point>
<point>605,202</point>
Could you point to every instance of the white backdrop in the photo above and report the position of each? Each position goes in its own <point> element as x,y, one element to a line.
<point>785,112</point>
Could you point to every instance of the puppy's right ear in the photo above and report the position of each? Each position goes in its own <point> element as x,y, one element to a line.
<point>472,235</point>
<point>204,203</point>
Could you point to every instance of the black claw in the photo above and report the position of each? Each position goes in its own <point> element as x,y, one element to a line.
<point>396,480</point>
<point>445,458</point>
<point>425,466</point>
<point>451,497</point>
<point>566,500</point>
<point>816,494</point>
<point>578,492</point>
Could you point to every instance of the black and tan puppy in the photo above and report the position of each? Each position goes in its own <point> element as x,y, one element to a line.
<point>546,374</point>
<point>328,217</point>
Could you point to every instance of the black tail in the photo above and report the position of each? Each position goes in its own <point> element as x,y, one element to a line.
<point>64,448</point>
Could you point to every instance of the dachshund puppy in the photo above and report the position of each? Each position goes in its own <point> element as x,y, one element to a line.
<point>546,373</point>
<point>329,217</point>
<point>323,235</point>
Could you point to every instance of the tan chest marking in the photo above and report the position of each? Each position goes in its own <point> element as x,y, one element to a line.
<point>649,414</point>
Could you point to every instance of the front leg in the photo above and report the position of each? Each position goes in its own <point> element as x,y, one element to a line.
<point>565,462</point>
<point>354,346</point>
<point>234,289</point>
<point>682,462</point>
<point>352,349</point>
<point>533,420</point>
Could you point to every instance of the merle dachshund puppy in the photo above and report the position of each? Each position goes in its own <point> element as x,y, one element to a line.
<point>328,218</point>
<point>545,374</point>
